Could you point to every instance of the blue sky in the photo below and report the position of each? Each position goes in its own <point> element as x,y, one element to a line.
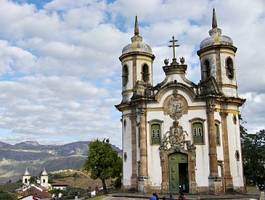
<point>60,75</point>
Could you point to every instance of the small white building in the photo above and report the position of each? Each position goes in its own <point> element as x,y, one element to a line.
<point>59,186</point>
<point>178,135</point>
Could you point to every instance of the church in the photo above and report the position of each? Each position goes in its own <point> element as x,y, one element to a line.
<point>178,135</point>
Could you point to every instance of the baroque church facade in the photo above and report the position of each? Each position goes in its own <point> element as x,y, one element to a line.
<point>178,135</point>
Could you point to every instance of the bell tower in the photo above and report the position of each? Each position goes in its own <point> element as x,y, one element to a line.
<point>26,177</point>
<point>44,179</point>
<point>217,55</point>
<point>137,64</point>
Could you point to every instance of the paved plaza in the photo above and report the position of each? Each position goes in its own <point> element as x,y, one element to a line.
<point>188,197</point>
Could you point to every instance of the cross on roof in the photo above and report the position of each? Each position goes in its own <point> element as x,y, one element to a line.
<point>173,41</point>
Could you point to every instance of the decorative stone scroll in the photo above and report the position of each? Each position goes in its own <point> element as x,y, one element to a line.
<point>175,105</point>
<point>174,139</point>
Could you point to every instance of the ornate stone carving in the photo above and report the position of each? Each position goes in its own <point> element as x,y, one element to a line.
<point>174,139</point>
<point>175,105</point>
<point>210,105</point>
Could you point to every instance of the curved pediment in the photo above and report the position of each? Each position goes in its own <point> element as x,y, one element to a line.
<point>175,86</point>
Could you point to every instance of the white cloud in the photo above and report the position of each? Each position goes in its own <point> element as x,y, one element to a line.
<point>60,68</point>
<point>14,59</point>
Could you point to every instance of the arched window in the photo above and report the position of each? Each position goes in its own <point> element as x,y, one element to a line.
<point>207,68</point>
<point>43,180</point>
<point>229,68</point>
<point>125,75</point>
<point>145,73</point>
<point>217,131</point>
<point>155,133</point>
<point>197,133</point>
<point>26,180</point>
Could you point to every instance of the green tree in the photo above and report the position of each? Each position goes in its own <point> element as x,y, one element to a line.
<point>33,180</point>
<point>253,151</point>
<point>103,162</point>
<point>7,196</point>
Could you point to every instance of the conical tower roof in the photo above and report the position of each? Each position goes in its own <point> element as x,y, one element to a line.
<point>137,44</point>
<point>216,37</point>
<point>26,172</point>
<point>44,172</point>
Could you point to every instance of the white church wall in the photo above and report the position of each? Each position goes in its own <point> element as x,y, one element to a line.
<point>139,64</point>
<point>202,158</point>
<point>211,57</point>
<point>234,144</point>
<point>127,165</point>
<point>129,85</point>
<point>154,165</point>
<point>202,152</point>
<point>224,56</point>
<point>228,91</point>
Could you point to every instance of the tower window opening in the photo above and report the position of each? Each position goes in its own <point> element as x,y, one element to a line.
<point>145,73</point>
<point>207,68</point>
<point>229,68</point>
<point>125,75</point>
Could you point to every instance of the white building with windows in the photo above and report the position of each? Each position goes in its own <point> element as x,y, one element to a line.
<point>178,135</point>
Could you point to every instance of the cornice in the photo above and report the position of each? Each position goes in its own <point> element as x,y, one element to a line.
<point>218,46</point>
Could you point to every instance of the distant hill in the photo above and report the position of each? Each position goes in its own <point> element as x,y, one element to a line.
<point>15,158</point>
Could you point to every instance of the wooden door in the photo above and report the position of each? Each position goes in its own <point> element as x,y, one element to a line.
<point>176,172</point>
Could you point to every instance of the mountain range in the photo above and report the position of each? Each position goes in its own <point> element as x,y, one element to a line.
<point>14,159</point>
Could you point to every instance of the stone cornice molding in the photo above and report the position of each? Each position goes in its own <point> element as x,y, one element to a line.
<point>217,46</point>
<point>152,56</point>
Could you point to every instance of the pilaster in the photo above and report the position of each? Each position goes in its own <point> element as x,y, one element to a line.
<point>228,182</point>
<point>212,138</point>
<point>143,176</point>
<point>215,183</point>
<point>134,153</point>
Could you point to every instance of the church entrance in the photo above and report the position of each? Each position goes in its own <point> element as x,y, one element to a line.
<point>178,173</point>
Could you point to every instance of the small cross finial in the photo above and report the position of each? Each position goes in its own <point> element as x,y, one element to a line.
<point>173,41</point>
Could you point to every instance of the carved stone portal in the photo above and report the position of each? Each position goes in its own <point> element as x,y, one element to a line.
<point>174,141</point>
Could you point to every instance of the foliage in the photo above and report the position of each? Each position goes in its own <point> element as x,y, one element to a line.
<point>7,196</point>
<point>253,150</point>
<point>10,187</point>
<point>33,180</point>
<point>103,161</point>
